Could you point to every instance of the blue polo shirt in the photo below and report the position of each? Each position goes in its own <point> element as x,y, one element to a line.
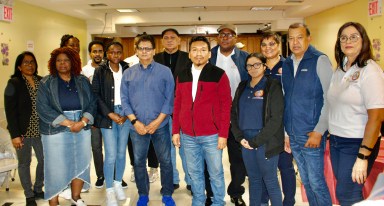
<point>147,92</point>
<point>251,106</point>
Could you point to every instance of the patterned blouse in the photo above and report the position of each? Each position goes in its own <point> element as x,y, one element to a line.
<point>33,128</point>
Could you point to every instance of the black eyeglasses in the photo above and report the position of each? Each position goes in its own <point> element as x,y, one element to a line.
<point>147,49</point>
<point>26,63</point>
<point>256,65</point>
<point>229,35</point>
<point>270,44</point>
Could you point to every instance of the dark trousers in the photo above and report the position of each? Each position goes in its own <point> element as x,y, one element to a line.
<point>288,180</point>
<point>152,158</point>
<point>237,168</point>
<point>97,151</point>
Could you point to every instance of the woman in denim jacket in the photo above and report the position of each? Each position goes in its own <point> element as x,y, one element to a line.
<point>66,107</point>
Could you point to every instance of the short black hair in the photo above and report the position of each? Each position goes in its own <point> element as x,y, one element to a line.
<point>65,38</point>
<point>146,37</point>
<point>298,25</point>
<point>169,29</point>
<point>113,43</point>
<point>258,55</point>
<point>273,35</point>
<point>199,38</point>
<point>93,43</point>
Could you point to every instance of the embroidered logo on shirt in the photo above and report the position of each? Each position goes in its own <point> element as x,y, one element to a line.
<point>355,75</point>
<point>259,93</point>
<point>280,70</point>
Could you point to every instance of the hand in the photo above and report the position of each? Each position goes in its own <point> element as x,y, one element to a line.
<point>152,127</point>
<point>115,117</point>
<point>221,143</point>
<point>77,126</point>
<point>122,119</point>
<point>287,146</point>
<point>314,139</point>
<point>140,128</point>
<point>17,142</point>
<point>176,140</point>
<point>359,171</point>
<point>245,144</point>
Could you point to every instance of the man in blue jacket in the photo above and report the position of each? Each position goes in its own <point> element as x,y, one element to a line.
<point>232,60</point>
<point>306,78</point>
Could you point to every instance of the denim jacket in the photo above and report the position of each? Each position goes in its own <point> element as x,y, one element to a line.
<point>48,104</point>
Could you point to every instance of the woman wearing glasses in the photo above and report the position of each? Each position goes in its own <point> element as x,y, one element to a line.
<point>257,123</point>
<point>23,123</point>
<point>356,109</point>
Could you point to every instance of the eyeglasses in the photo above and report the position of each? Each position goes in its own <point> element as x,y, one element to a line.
<point>270,44</point>
<point>256,65</point>
<point>147,49</point>
<point>229,35</point>
<point>352,38</point>
<point>26,63</point>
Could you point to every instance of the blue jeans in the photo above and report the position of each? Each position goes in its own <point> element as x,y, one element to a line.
<point>261,170</point>
<point>176,178</point>
<point>115,146</point>
<point>288,180</point>
<point>343,156</point>
<point>310,162</point>
<point>162,145</point>
<point>198,149</point>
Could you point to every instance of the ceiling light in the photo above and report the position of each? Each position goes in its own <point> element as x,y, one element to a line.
<point>127,10</point>
<point>259,8</point>
<point>96,5</point>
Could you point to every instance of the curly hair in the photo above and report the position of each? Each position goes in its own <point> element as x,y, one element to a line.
<point>366,47</point>
<point>72,55</point>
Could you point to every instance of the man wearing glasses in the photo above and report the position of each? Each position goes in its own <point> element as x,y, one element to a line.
<point>147,92</point>
<point>306,78</point>
<point>232,60</point>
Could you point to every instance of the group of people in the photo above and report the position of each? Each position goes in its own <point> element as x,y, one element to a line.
<point>266,109</point>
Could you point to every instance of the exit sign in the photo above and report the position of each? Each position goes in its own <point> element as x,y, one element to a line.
<point>6,13</point>
<point>374,8</point>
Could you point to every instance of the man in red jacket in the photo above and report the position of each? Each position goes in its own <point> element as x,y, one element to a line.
<point>201,117</point>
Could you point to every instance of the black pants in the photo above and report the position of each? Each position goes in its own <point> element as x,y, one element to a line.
<point>97,151</point>
<point>152,158</point>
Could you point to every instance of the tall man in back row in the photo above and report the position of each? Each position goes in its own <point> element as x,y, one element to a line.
<point>232,60</point>
<point>306,77</point>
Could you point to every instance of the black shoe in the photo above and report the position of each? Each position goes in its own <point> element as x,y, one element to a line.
<point>124,184</point>
<point>176,186</point>
<point>208,201</point>
<point>30,201</point>
<point>38,195</point>
<point>99,183</point>
<point>238,201</point>
<point>190,189</point>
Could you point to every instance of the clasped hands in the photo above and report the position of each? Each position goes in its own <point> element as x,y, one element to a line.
<point>151,128</point>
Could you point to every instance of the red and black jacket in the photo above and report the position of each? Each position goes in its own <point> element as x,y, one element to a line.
<point>210,112</point>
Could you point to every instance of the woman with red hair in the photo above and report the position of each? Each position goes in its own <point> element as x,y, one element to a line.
<point>66,107</point>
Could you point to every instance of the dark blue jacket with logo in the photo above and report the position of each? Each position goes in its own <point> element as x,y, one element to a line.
<point>303,94</point>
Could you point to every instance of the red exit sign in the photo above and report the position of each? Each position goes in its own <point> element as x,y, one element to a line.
<point>6,13</point>
<point>374,8</point>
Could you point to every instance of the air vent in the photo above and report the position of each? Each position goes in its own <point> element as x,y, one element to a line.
<point>97,5</point>
<point>294,1</point>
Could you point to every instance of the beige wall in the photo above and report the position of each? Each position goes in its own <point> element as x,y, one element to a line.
<point>44,28</point>
<point>324,26</point>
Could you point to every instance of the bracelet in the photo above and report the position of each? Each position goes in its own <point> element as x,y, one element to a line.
<point>365,147</point>
<point>85,124</point>
<point>362,156</point>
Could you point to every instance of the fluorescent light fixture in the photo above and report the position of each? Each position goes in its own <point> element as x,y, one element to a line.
<point>259,8</point>
<point>127,10</point>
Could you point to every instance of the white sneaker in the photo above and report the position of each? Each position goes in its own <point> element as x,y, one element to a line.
<point>111,197</point>
<point>79,202</point>
<point>120,194</point>
<point>132,175</point>
<point>153,174</point>
<point>66,194</point>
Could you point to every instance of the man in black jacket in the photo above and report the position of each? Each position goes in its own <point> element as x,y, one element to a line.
<point>176,60</point>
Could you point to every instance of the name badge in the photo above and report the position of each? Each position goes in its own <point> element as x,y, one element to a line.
<point>304,70</point>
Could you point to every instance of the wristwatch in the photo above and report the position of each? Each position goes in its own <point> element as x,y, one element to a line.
<point>362,156</point>
<point>85,124</point>
<point>133,121</point>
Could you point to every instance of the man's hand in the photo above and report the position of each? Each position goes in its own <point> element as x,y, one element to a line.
<point>152,127</point>
<point>115,117</point>
<point>314,139</point>
<point>140,128</point>
<point>245,144</point>
<point>221,143</point>
<point>359,171</point>
<point>287,146</point>
<point>176,140</point>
